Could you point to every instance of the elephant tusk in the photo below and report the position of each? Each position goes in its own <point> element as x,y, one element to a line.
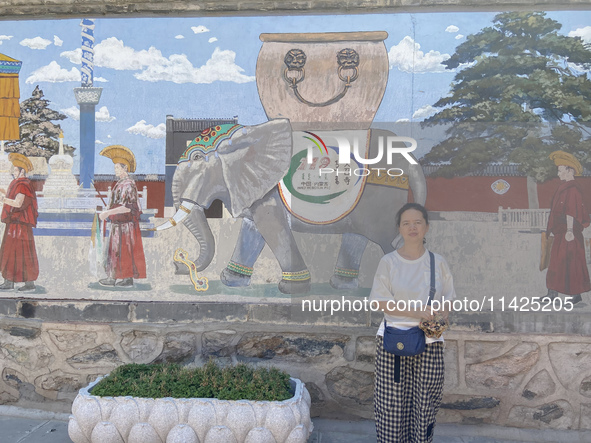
<point>183,211</point>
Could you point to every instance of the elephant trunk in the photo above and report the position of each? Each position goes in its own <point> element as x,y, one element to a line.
<point>193,217</point>
<point>199,227</point>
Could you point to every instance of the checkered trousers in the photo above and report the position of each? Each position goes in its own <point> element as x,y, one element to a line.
<point>407,394</point>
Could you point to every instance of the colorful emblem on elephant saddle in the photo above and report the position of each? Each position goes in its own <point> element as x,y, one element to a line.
<point>321,189</point>
<point>209,140</point>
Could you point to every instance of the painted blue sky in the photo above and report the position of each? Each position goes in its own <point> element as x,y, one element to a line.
<point>205,67</point>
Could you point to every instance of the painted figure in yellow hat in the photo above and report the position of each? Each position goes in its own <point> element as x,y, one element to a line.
<point>567,269</point>
<point>18,256</point>
<point>125,255</point>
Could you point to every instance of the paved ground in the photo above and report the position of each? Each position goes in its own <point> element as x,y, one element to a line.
<point>19,425</point>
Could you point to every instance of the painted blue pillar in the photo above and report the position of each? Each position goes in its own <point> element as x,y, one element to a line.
<point>87,97</point>
<point>87,138</point>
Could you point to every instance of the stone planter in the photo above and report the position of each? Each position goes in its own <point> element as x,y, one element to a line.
<point>193,420</point>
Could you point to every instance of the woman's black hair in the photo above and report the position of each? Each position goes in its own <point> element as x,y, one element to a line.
<point>408,206</point>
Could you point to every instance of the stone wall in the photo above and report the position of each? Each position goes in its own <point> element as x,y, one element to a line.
<point>20,9</point>
<point>522,380</point>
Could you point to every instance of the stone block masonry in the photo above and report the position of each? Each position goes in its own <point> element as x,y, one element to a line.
<point>523,380</point>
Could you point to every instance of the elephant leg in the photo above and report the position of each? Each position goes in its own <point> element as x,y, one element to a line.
<point>270,217</point>
<point>346,272</point>
<point>248,248</point>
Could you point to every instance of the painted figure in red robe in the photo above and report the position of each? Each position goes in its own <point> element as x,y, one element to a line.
<point>18,257</point>
<point>567,269</point>
<point>125,255</point>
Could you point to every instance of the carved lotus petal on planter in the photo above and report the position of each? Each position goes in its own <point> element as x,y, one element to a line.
<point>306,397</point>
<point>145,407</point>
<point>260,435</point>
<point>298,435</point>
<point>87,411</point>
<point>164,416</point>
<point>280,421</point>
<point>241,419</point>
<point>220,434</point>
<point>184,406</point>
<point>295,408</point>
<point>260,411</point>
<point>202,418</point>
<point>107,405</point>
<point>221,410</point>
<point>75,432</point>
<point>125,415</point>
<point>143,433</point>
<point>105,431</point>
<point>305,415</point>
<point>182,434</point>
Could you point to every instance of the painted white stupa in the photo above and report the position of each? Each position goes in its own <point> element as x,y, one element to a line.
<point>61,181</point>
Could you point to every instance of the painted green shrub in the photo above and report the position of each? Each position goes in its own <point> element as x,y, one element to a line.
<point>239,382</point>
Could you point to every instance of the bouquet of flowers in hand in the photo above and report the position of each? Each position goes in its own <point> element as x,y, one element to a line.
<point>435,327</point>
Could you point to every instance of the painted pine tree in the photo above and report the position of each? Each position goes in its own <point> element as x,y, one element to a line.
<point>38,132</point>
<point>520,92</point>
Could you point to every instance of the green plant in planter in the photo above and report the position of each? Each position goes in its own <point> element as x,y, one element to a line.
<point>174,404</point>
<point>239,382</point>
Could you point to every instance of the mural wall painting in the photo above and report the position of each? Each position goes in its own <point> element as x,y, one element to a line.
<point>312,148</point>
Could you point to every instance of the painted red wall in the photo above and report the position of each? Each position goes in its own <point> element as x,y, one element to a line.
<point>474,194</point>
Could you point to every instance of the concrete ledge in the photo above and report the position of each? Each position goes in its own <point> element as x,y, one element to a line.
<point>25,9</point>
<point>166,313</point>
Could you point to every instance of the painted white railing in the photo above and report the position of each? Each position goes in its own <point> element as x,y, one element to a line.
<point>85,200</point>
<point>523,218</point>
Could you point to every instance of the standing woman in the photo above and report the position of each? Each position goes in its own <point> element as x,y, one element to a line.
<point>408,389</point>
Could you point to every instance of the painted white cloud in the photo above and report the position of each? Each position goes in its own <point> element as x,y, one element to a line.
<point>407,57</point>
<point>199,29</point>
<point>98,142</point>
<point>584,33</point>
<point>102,115</point>
<point>73,112</point>
<point>459,36</point>
<point>452,29</point>
<point>53,73</point>
<point>179,37</point>
<point>424,112</point>
<point>35,43</point>
<point>74,56</point>
<point>147,130</point>
<point>403,120</point>
<point>211,40</point>
<point>178,69</point>
<point>57,41</point>
<point>5,37</point>
<point>112,53</point>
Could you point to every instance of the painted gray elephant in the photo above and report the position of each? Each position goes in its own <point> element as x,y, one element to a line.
<point>242,168</point>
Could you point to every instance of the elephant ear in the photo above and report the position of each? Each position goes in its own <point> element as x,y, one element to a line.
<point>257,158</point>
